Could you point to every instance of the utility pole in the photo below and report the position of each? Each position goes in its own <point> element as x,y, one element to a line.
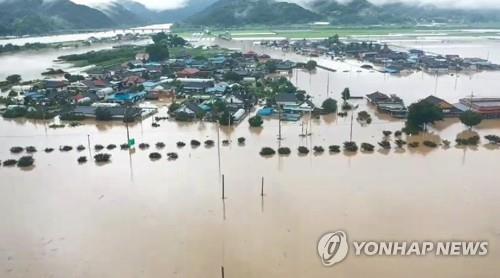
<point>126,123</point>
<point>352,120</point>
<point>218,145</point>
<point>279,123</point>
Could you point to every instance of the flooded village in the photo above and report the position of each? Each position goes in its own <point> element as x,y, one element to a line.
<point>214,84</point>
<point>225,150</point>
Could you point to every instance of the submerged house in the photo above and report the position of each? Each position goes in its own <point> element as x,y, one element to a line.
<point>289,103</point>
<point>189,111</point>
<point>489,108</point>
<point>195,85</point>
<point>126,97</point>
<point>377,97</point>
<point>449,110</point>
<point>116,112</point>
<point>392,105</point>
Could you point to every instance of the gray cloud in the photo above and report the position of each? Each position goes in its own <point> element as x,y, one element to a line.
<point>462,4</point>
<point>152,4</point>
<point>465,4</point>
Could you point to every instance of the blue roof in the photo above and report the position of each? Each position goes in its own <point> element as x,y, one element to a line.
<point>205,107</point>
<point>127,96</point>
<point>218,88</point>
<point>265,112</point>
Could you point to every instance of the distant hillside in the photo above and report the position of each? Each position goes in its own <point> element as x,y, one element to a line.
<point>21,17</point>
<point>254,12</point>
<point>362,12</point>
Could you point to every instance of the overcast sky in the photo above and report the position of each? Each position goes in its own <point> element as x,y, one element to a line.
<point>170,4</point>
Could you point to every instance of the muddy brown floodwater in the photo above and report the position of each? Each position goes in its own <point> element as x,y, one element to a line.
<point>137,218</point>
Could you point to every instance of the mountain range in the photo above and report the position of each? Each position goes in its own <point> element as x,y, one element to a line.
<point>354,12</point>
<point>21,17</point>
<point>24,17</point>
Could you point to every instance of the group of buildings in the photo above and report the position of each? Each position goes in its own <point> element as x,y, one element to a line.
<point>198,85</point>
<point>383,58</point>
<point>488,108</point>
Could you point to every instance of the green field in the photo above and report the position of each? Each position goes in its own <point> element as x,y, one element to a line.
<point>308,31</point>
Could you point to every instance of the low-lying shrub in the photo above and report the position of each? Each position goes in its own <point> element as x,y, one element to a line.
<point>209,143</point>
<point>318,149</point>
<point>266,151</point>
<point>102,158</point>
<point>25,161</point>
<point>160,145</point>
<point>124,146</point>
<point>367,147</point>
<point>155,156</point>
<point>387,133</point>
<point>386,145</point>
<point>334,148</point>
<point>172,156</point>
<point>111,147</point>
<point>446,143</point>
<point>16,149</point>
<point>80,148</point>
<point>364,116</point>
<point>66,148</point>
<point>225,142</point>
<point>284,151</point>
<point>98,147</point>
<point>143,146</point>
<point>493,139</point>
<point>400,143</point>
<point>82,159</point>
<point>31,149</point>
<point>195,143</point>
<point>10,162</point>
<point>241,140</point>
<point>350,146</point>
<point>414,144</point>
<point>471,141</point>
<point>430,144</point>
<point>181,144</point>
<point>303,150</point>
<point>48,150</point>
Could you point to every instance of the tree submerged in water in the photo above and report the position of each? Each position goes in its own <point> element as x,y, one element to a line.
<point>334,148</point>
<point>266,151</point>
<point>303,150</point>
<point>329,106</point>
<point>256,121</point>
<point>471,118</point>
<point>284,151</point>
<point>318,149</point>
<point>9,162</point>
<point>82,159</point>
<point>367,147</point>
<point>420,115</point>
<point>350,146</point>
<point>102,158</point>
<point>155,156</point>
<point>25,161</point>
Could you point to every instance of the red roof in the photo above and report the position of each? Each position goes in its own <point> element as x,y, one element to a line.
<point>100,83</point>
<point>134,79</point>
<point>190,71</point>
